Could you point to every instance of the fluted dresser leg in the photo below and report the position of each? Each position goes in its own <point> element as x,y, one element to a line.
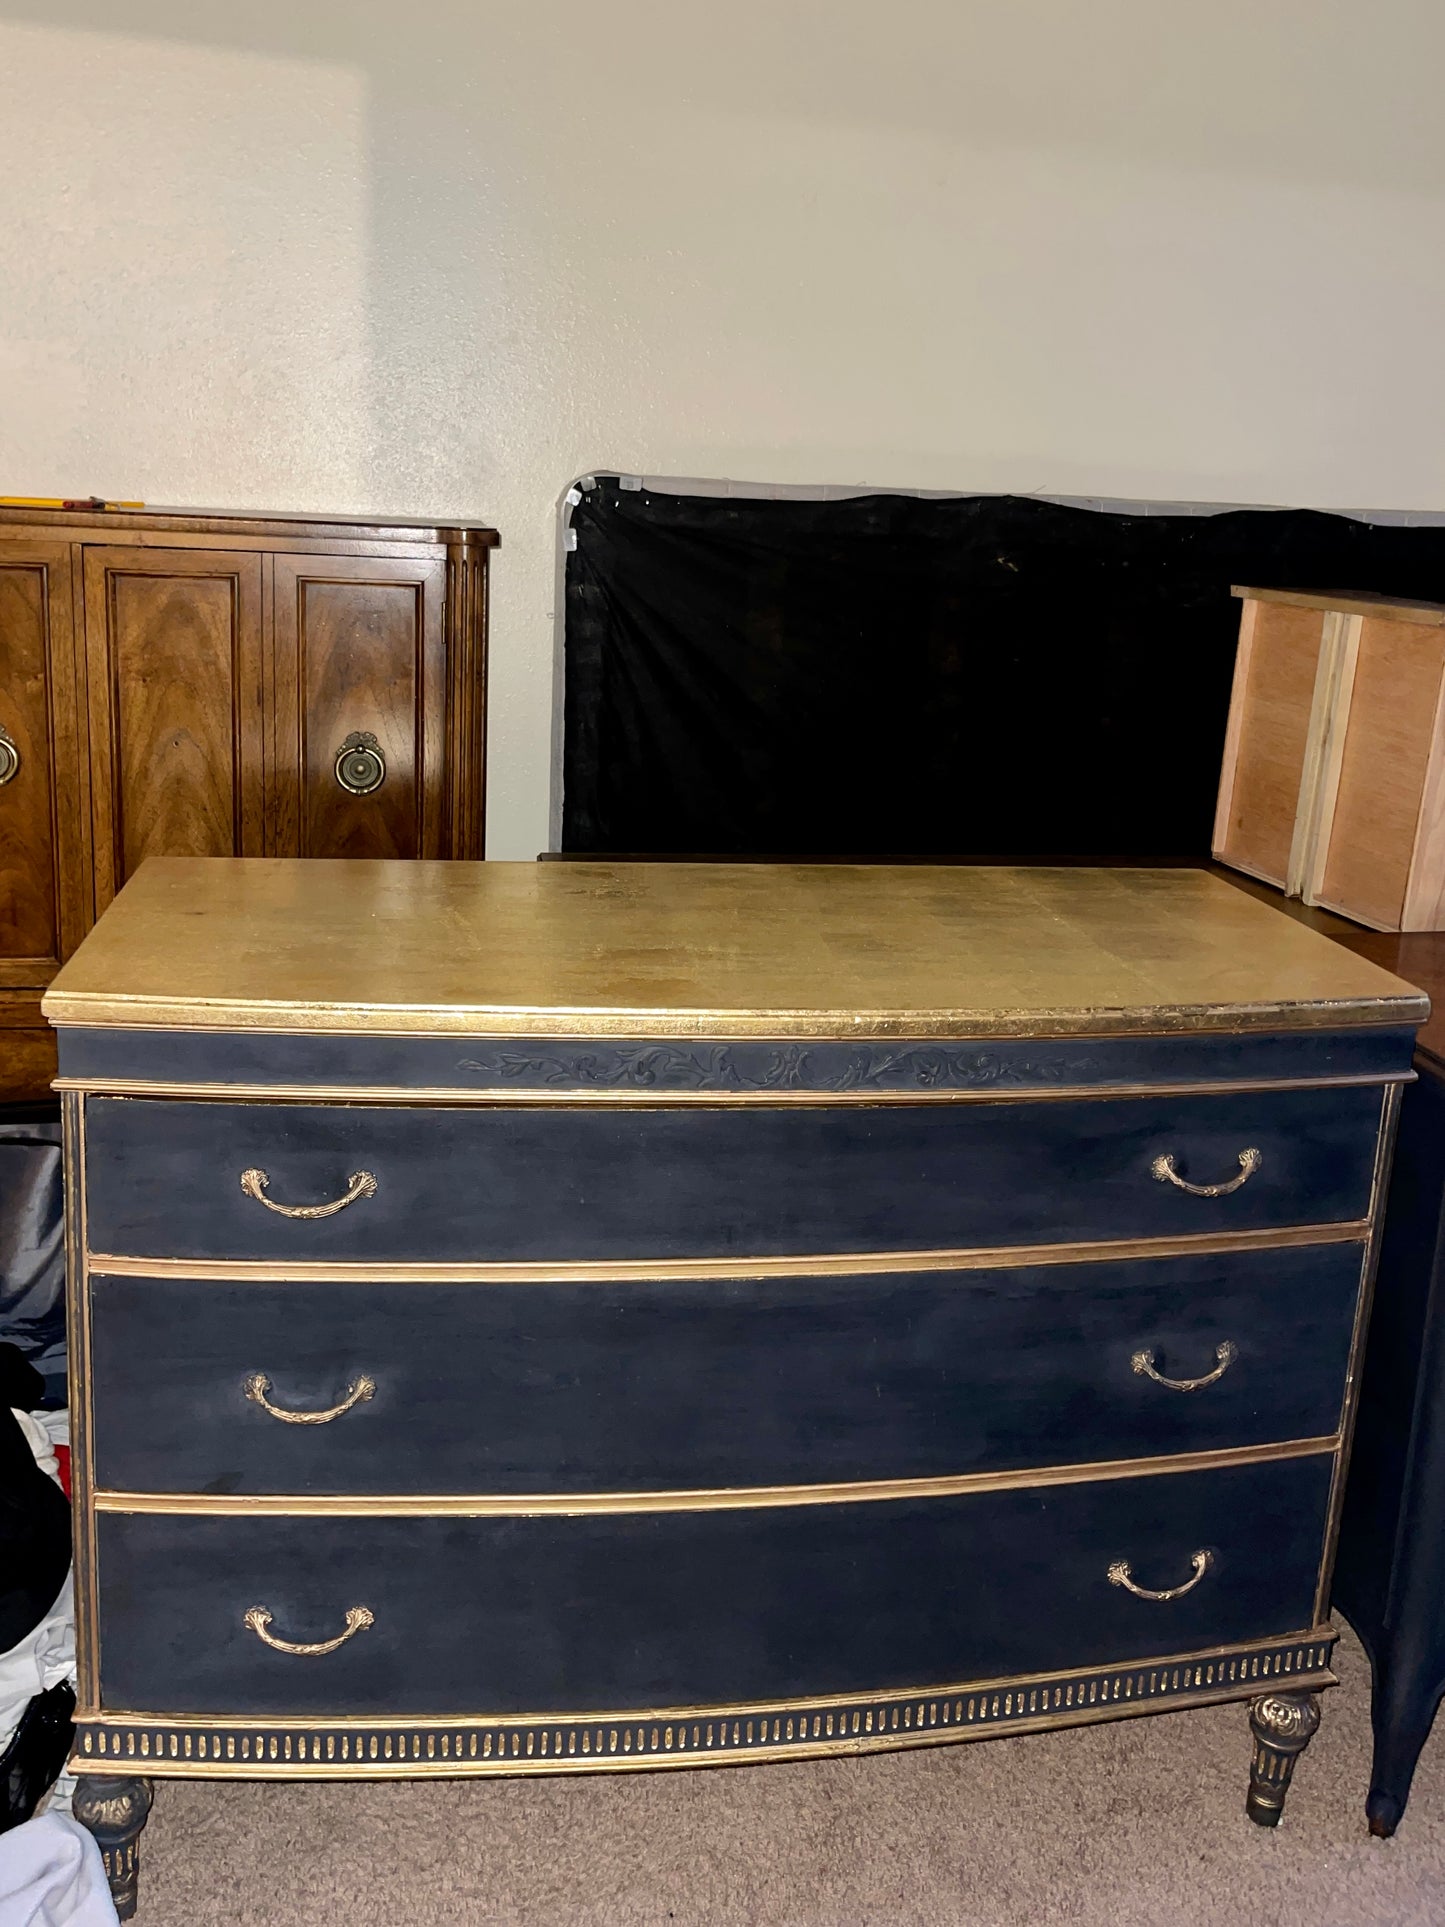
<point>1283,1724</point>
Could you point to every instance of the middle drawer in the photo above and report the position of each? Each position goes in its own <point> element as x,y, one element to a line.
<point>704,1383</point>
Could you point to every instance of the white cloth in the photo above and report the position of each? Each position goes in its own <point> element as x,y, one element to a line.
<point>52,1875</point>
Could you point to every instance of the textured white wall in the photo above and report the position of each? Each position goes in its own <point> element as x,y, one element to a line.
<point>441,259</point>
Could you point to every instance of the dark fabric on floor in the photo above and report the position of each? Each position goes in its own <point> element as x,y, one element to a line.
<point>1138,1824</point>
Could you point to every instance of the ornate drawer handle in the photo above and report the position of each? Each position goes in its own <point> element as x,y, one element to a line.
<point>257,1386</point>
<point>360,763</point>
<point>9,757</point>
<point>1143,1363</point>
<point>1121,1573</point>
<point>357,1620</point>
<point>1249,1163</point>
<point>361,1184</point>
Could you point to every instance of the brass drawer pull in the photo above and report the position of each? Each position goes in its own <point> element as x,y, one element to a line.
<point>357,1620</point>
<point>360,763</point>
<point>361,1184</point>
<point>9,757</point>
<point>1121,1573</point>
<point>1249,1163</point>
<point>1143,1363</point>
<point>258,1385</point>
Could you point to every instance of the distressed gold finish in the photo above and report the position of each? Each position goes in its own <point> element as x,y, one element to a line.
<point>1145,1366</point>
<point>1121,1573</point>
<point>259,1620</point>
<point>82,1430</point>
<point>819,1265</point>
<point>715,1499</point>
<point>714,950</point>
<point>484,1098</point>
<point>379,1747</point>
<point>1249,1163</point>
<point>361,1184</point>
<point>257,1386</point>
<point>1323,1634</point>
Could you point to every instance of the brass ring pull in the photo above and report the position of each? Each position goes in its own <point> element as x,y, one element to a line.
<point>258,1385</point>
<point>361,1184</point>
<point>1249,1163</point>
<point>1121,1573</point>
<point>360,764</point>
<point>9,757</point>
<point>357,1620</point>
<point>1143,1363</point>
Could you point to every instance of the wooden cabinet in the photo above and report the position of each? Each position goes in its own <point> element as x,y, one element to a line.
<point>173,657</point>
<point>202,685</point>
<point>1333,781</point>
<point>326,607</point>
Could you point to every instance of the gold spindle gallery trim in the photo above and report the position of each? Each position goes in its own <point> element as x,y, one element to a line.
<point>692,1736</point>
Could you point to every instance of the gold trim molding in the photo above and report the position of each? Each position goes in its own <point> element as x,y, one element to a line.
<point>803,1265</point>
<point>716,1499</point>
<point>493,1096</point>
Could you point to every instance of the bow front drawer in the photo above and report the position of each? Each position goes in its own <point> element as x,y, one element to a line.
<point>658,1609</point>
<point>552,1182</point>
<point>681,1384</point>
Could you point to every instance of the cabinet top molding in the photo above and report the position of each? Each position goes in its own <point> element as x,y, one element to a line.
<point>283,528</point>
<point>1430,615</point>
<point>707,950</point>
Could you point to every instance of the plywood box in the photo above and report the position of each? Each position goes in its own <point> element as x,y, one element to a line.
<point>1333,783</point>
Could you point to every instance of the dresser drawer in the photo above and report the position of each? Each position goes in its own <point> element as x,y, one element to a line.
<point>703,1383</point>
<point>660,1609</point>
<point>556,1182</point>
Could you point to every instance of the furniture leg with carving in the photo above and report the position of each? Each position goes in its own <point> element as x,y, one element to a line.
<point>1283,1724</point>
<point>115,1810</point>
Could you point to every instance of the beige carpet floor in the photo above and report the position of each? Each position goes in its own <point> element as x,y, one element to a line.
<point>1138,1824</point>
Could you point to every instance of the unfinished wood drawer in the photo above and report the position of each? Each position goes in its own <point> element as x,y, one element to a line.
<point>1333,785</point>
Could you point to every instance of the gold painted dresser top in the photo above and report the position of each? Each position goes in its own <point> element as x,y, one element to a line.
<point>705,949</point>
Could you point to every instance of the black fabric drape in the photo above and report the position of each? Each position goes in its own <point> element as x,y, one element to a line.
<point>887,676</point>
<point>32,1246</point>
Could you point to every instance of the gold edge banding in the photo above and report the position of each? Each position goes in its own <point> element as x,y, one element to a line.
<point>818,1703</point>
<point>86,1011</point>
<point>1384,1148</point>
<point>816,1265</point>
<point>491,1096</point>
<point>716,1499</point>
<point>82,1480</point>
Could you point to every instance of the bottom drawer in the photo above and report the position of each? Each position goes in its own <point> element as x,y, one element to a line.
<point>611,1612</point>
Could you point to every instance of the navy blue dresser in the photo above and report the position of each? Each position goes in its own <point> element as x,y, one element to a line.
<point>550,1318</point>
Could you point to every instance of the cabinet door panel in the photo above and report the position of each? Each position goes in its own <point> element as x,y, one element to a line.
<point>42,915</point>
<point>173,644</point>
<point>359,651</point>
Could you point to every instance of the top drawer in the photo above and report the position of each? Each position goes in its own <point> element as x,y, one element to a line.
<point>557,1182</point>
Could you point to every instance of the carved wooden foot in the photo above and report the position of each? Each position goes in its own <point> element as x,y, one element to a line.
<point>115,1810</point>
<point>1283,1724</point>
